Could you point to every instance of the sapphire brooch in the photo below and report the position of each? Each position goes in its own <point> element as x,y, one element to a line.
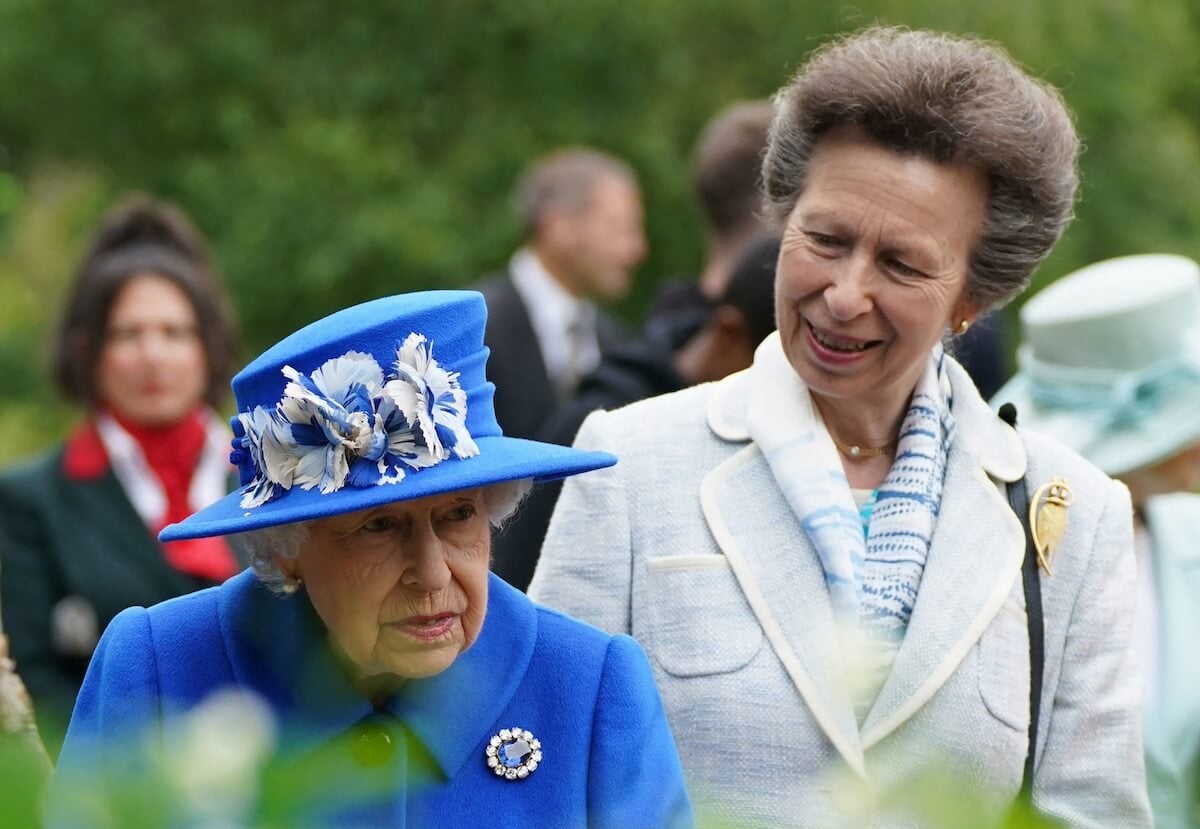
<point>513,753</point>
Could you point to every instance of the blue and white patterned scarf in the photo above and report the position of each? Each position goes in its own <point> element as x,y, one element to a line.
<point>872,583</point>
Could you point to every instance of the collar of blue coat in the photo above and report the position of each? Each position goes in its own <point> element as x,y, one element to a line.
<point>979,431</point>
<point>278,647</point>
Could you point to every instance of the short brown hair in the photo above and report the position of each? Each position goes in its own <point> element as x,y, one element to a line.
<point>947,99</point>
<point>141,236</point>
<point>564,180</point>
<point>727,165</point>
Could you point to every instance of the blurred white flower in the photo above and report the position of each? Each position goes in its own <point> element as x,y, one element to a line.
<point>223,745</point>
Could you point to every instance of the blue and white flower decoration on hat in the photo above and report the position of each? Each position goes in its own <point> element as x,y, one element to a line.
<point>342,414</point>
<point>349,424</point>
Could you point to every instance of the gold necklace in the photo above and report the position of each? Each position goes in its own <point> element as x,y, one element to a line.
<point>858,452</point>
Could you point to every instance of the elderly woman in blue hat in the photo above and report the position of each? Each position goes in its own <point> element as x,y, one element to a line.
<point>1110,365</point>
<point>404,684</point>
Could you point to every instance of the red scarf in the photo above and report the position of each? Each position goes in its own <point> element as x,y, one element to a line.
<point>172,453</point>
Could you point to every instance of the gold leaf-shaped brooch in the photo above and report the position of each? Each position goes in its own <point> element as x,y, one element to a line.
<point>1048,519</point>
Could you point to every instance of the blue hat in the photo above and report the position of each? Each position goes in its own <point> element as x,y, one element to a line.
<point>382,402</point>
<point>1110,361</point>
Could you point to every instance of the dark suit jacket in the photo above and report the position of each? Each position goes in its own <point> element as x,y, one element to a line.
<point>639,368</point>
<point>525,400</point>
<point>525,397</point>
<point>80,540</point>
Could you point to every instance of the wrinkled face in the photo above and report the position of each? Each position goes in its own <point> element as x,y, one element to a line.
<point>603,243</point>
<point>401,588</point>
<point>873,268</point>
<point>152,368</point>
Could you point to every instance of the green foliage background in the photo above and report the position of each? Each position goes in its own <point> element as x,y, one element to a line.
<point>336,152</point>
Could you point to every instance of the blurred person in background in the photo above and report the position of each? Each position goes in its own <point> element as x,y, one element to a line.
<point>656,362</point>
<point>581,213</point>
<point>145,345</point>
<point>665,355</point>
<point>1110,365</point>
<point>740,318</point>
<point>406,685</point>
<point>726,172</point>
<point>819,553</point>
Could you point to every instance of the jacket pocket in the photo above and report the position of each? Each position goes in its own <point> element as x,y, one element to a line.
<point>1004,667</point>
<point>699,621</point>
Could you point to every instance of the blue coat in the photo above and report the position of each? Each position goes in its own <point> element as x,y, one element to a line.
<point>589,698</point>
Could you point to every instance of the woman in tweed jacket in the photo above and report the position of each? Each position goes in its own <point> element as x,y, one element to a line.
<point>818,553</point>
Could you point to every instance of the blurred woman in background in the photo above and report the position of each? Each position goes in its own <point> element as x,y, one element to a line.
<point>145,345</point>
<point>1110,365</point>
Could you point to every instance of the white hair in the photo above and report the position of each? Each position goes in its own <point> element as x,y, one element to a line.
<point>264,548</point>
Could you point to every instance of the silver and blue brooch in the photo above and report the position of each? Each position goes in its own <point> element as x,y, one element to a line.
<point>513,753</point>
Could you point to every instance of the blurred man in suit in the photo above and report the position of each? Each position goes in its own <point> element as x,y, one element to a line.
<point>686,337</point>
<point>649,364</point>
<point>584,234</point>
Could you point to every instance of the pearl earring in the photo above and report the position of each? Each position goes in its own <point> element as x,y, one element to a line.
<point>962,327</point>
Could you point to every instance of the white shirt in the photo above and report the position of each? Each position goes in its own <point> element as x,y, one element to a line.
<point>565,326</point>
<point>210,480</point>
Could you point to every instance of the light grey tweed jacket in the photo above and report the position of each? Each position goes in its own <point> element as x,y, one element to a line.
<point>688,545</point>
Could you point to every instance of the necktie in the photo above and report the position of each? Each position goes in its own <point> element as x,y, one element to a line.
<point>575,334</point>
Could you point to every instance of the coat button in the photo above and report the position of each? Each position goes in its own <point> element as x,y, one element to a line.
<point>372,745</point>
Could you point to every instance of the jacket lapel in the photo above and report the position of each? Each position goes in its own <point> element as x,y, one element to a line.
<point>963,586</point>
<point>776,566</point>
<point>964,582</point>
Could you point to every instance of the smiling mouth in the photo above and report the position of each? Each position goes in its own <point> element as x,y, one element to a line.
<point>841,345</point>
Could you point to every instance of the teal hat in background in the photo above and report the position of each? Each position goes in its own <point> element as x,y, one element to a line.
<point>1109,362</point>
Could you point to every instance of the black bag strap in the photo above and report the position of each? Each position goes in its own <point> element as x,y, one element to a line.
<point>1018,498</point>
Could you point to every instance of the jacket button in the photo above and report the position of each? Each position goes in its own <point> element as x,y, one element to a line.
<point>372,745</point>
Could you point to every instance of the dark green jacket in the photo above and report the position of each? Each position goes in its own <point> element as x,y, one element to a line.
<point>73,554</point>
